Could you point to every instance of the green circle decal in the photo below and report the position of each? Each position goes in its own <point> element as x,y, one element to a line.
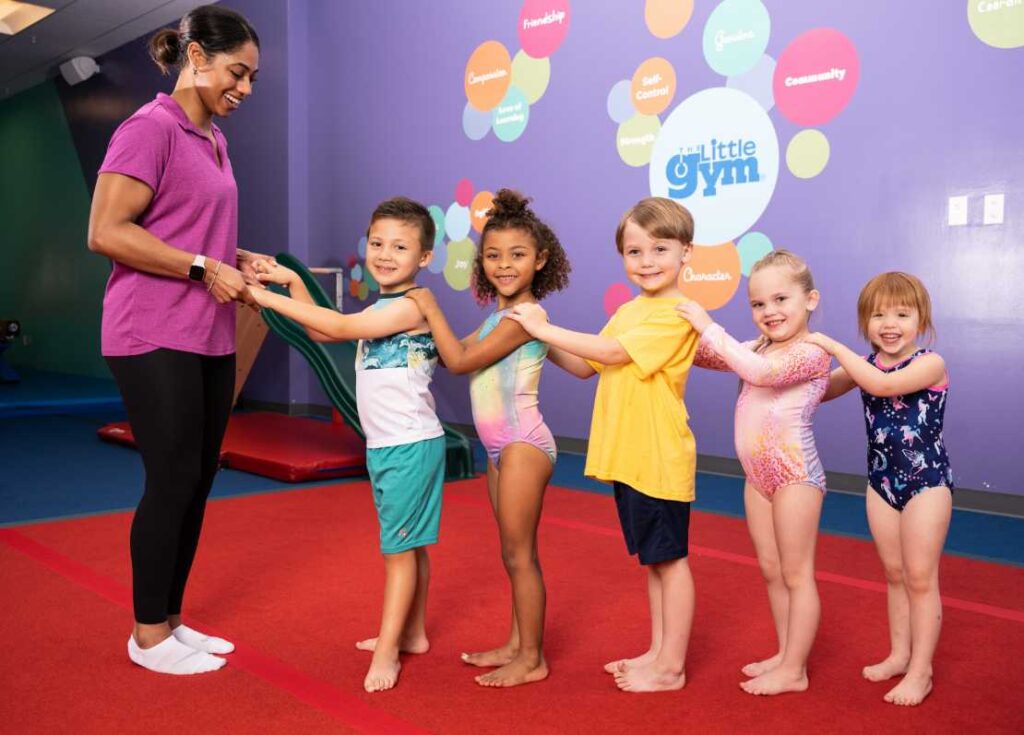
<point>458,268</point>
<point>635,139</point>
<point>531,75</point>
<point>807,153</point>
<point>999,23</point>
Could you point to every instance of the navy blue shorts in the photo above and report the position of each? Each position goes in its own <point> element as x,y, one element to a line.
<point>656,530</point>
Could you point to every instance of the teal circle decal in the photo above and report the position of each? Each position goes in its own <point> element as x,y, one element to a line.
<point>438,216</point>
<point>509,118</point>
<point>736,36</point>
<point>753,246</point>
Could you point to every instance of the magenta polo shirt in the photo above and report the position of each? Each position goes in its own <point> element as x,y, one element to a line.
<point>194,208</point>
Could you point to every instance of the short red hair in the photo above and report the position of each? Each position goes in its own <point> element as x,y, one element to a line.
<point>895,289</point>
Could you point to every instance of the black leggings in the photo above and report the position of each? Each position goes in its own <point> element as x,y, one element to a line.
<point>178,405</point>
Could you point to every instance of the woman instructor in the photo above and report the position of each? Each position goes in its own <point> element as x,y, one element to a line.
<point>165,211</point>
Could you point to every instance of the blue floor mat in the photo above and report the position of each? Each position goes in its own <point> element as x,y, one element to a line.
<point>56,466</point>
<point>42,392</point>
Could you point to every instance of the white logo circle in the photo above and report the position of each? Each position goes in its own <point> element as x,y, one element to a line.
<point>718,155</point>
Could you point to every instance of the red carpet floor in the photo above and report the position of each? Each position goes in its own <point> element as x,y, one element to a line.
<point>294,578</point>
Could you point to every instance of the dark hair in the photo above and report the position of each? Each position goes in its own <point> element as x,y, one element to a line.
<point>215,28</point>
<point>510,211</point>
<point>410,212</point>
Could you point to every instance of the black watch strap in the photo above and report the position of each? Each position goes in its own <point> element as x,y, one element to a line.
<point>197,271</point>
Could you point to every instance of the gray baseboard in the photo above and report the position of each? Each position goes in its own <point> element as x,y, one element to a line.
<point>982,501</point>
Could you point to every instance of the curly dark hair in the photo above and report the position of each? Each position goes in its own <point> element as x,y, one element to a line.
<point>510,211</point>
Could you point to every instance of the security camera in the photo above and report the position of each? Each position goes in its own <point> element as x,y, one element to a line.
<point>78,69</point>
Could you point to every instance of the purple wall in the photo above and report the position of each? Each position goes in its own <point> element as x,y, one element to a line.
<point>936,113</point>
<point>258,139</point>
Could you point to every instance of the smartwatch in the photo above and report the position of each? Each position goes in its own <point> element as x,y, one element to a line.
<point>198,269</point>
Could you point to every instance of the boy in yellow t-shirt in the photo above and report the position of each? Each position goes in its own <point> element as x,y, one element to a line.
<point>639,437</point>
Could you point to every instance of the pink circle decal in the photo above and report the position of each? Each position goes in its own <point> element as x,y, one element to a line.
<point>816,76</point>
<point>464,192</point>
<point>616,295</point>
<point>542,26</point>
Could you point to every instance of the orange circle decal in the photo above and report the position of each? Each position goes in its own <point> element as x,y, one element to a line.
<point>654,86</point>
<point>712,275</point>
<point>488,74</point>
<point>666,18</point>
<point>478,209</point>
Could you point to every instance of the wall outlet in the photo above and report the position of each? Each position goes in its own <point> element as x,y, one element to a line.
<point>957,211</point>
<point>994,209</point>
<point>26,339</point>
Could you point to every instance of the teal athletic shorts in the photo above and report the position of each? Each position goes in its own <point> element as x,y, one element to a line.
<point>407,480</point>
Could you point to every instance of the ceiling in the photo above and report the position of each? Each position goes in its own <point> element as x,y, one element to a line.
<point>79,28</point>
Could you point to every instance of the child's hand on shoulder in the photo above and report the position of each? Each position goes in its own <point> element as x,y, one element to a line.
<point>422,297</point>
<point>823,341</point>
<point>694,313</point>
<point>269,271</point>
<point>530,316</point>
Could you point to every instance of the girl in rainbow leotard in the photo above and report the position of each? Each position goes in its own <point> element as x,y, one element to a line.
<point>784,379</point>
<point>519,261</point>
<point>504,398</point>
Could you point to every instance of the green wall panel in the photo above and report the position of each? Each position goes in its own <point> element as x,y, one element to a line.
<point>48,278</point>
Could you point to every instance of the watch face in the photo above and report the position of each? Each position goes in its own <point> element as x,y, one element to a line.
<point>196,272</point>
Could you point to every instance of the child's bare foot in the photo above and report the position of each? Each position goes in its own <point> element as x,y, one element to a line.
<point>501,656</point>
<point>649,678</point>
<point>418,644</point>
<point>613,667</point>
<point>776,681</point>
<point>383,675</point>
<point>760,667</point>
<point>892,666</point>
<point>520,670</point>
<point>911,691</point>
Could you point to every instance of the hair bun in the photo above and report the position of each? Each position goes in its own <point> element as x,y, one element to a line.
<point>510,203</point>
<point>165,49</point>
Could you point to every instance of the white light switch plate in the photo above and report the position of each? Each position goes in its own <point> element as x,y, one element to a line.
<point>957,211</point>
<point>994,209</point>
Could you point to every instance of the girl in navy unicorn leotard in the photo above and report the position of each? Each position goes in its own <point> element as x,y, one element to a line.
<point>909,501</point>
<point>905,450</point>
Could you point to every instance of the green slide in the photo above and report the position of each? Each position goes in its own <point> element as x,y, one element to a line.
<point>334,365</point>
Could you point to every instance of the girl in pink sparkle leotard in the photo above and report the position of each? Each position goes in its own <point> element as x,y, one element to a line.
<point>784,379</point>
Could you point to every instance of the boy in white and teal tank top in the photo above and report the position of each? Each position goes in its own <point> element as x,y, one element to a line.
<point>405,444</point>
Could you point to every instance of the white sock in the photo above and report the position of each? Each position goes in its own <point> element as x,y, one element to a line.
<point>201,641</point>
<point>171,656</point>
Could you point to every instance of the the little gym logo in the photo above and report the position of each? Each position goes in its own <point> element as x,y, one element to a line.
<point>717,154</point>
<point>712,164</point>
